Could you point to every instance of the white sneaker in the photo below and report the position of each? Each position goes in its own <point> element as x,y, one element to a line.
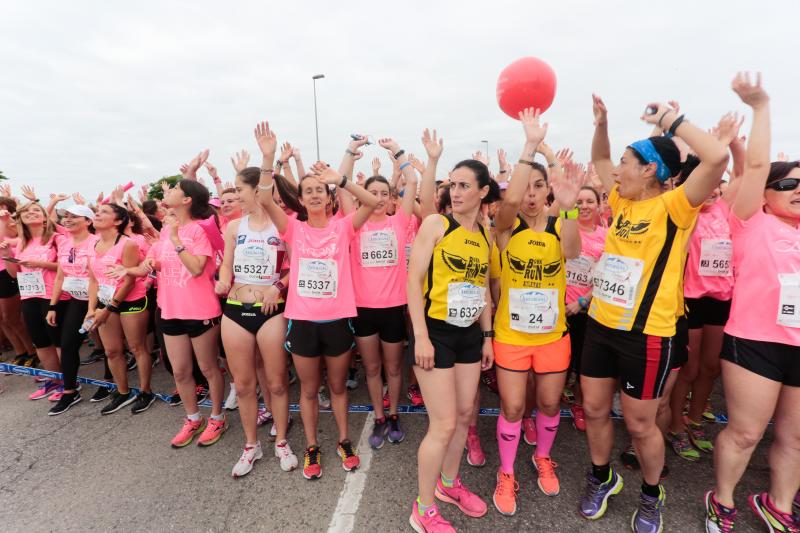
<point>231,403</point>
<point>324,400</point>
<point>273,430</point>
<point>287,458</point>
<point>250,455</point>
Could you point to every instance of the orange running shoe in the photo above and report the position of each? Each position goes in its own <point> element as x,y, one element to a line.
<point>350,460</point>
<point>213,432</point>
<point>188,432</point>
<point>312,465</point>
<point>505,494</point>
<point>548,481</point>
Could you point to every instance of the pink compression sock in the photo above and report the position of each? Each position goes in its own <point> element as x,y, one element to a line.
<point>507,442</point>
<point>546,429</point>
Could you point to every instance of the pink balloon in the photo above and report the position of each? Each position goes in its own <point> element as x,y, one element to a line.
<point>527,82</point>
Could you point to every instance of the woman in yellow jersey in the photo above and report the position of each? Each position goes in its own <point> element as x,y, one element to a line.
<point>635,304</point>
<point>530,324</point>
<point>450,311</point>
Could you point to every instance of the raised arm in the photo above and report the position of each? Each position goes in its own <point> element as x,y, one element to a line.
<point>212,171</point>
<point>712,152</point>
<point>601,146</point>
<point>566,183</point>
<point>427,191</point>
<point>520,177</point>
<point>298,162</point>
<point>268,143</point>
<point>406,169</point>
<point>757,159</point>
<point>189,170</point>
<point>284,167</point>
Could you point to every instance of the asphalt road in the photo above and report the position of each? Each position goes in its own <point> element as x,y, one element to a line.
<point>84,472</point>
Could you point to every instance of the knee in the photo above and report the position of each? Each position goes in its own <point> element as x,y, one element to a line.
<point>595,410</point>
<point>337,388</point>
<point>277,387</point>
<point>245,388</point>
<point>549,408</point>
<point>464,416</point>
<point>710,369</point>
<point>393,370</point>
<point>309,392</point>
<point>113,353</point>
<point>442,430</point>
<point>513,411</point>
<point>689,371</point>
<point>372,369</point>
<point>209,370</point>
<point>744,438</point>
<point>182,375</point>
<point>640,427</point>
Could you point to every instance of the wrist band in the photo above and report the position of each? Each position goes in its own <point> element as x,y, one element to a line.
<point>552,165</point>
<point>583,302</point>
<point>51,307</point>
<point>678,122</point>
<point>280,163</point>
<point>404,165</point>
<point>399,153</point>
<point>344,181</point>
<point>488,334</point>
<point>529,163</point>
<point>572,214</point>
<point>266,187</point>
<point>349,151</point>
<point>217,180</point>
<point>267,171</point>
<point>664,114</point>
<point>503,171</point>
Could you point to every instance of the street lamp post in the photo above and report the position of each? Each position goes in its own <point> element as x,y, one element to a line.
<point>487,148</point>
<point>316,121</point>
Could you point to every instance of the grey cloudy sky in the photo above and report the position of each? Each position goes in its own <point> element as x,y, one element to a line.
<point>94,94</point>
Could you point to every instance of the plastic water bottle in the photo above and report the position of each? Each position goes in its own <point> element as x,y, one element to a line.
<point>86,326</point>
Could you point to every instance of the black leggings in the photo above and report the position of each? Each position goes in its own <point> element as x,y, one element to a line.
<point>34,313</point>
<point>199,378</point>
<point>71,340</point>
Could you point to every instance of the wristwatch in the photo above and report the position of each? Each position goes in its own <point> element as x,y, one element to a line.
<point>488,334</point>
<point>179,249</point>
<point>280,286</point>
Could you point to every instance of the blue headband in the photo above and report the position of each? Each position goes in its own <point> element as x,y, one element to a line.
<point>647,150</point>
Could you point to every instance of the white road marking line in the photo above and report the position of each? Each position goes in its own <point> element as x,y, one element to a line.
<point>344,516</point>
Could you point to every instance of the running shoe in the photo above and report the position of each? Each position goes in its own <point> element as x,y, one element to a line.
<point>719,519</point>
<point>93,357</point>
<point>468,502</point>
<point>430,521</point>
<point>698,438</point>
<point>273,430</point>
<point>708,413</point>
<point>45,389</point>
<point>231,402</point>
<point>548,481</point>
<point>100,394</point>
<point>647,518</point>
<point>118,401</point>
<point>529,430</point>
<point>682,447</point>
<point>775,520</point>
<point>629,459</point>
<point>264,416</point>
<point>250,455</point>
<point>189,430</point>
<point>175,399</point>
<point>386,402</point>
<point>213,432</point>
<point>415,396</point>
<point>567,396</point>
<point>505,494</point>
<point>63,405</point>
<point>578,416</point>
<point>312,464</point>
<point>378,435</point>
<point>323,398</point>
<point>32,362</point>
<point>352,379</point>
<point>143,402</point>
<point>594,502</point>
<point>475,456</point>
<point>57,394</point>
<point>396,433</point>
<point>202,393</point>
<point>19,359</point>
<point>286,456</point>
<point>131,361</point>
<point>349,456</point>
<point>489,378</point>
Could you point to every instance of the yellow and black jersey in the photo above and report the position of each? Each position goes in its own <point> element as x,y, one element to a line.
<point>638,279</point>
<point>455,286</point>
<point>532,286</point>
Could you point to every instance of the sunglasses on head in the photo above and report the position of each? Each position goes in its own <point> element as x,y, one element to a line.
<point>786,184</point>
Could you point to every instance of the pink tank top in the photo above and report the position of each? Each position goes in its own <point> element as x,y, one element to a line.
<point>73,259</point>
<point>102,261</point>
<point>38,282</point>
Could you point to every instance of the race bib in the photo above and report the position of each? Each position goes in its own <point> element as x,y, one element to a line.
<point>105,293</point>
<point>789,304</point>
<point>317,278</point>
<point>378,248</point>
<point>616,279</point>
<point>579,271</point>
<point>533,310</point>
<point>77,287</point>
<point>255,262</point>
<point>715,257</point>
<point>30,284</point>
<point>465,302</point>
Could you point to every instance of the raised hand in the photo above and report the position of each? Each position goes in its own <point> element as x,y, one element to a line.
<point>782,157</point>
<point>728,127</point>
<point>433,144</point>
<point>184,169</point>
<point>229,185</point>
<point>266,139</point>
<point>751,93</point>
<point>286,151</point>
<point>28,193</point>
<point>478,156</point>
<point>196,162</point>
<point>99,199</point>
<point>5,190</point>
<point>240,160</point>
<point>566,184</point>
<point>212,171</point>
<point>501,159</point>
<point>389,144</point>
<point>534,131</point>
<point>564,155</point>
<point>326,173</point>
<point>361,178</point>
<point>296,153</point>
<point>599,110</point>
<point>654,118</point>
<point>416,163</point>
<point>142,195</point>
<point>60,197</point>
<point>376,166</point>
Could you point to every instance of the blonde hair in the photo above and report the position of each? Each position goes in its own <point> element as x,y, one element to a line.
<point>26,236</point>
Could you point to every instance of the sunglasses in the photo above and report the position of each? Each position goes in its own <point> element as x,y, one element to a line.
<point>786,184</point>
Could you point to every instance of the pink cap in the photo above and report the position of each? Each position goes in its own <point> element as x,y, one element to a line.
<point>214,202</point>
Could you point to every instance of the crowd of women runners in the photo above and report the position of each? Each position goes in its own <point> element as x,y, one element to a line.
<point>644,279</point>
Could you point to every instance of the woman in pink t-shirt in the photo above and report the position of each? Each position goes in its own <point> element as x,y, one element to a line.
<point>72,278</point>
<point>378,264</point>
<point>761,347</point>
<point>118,307</point>
<point>35,270</point>
<point>321,298</point>
<point>579,286</point>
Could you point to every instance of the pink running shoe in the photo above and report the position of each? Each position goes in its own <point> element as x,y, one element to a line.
<point>415,395</point>
<point>578,418</point>
<point>213,432</point>
<point>430,521</point>
<point>529,431</point>
<point>469,502</point>
<point>45,389</point>
<point>475,456</point>
<point>57,394</point>
<point>188,432</point>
